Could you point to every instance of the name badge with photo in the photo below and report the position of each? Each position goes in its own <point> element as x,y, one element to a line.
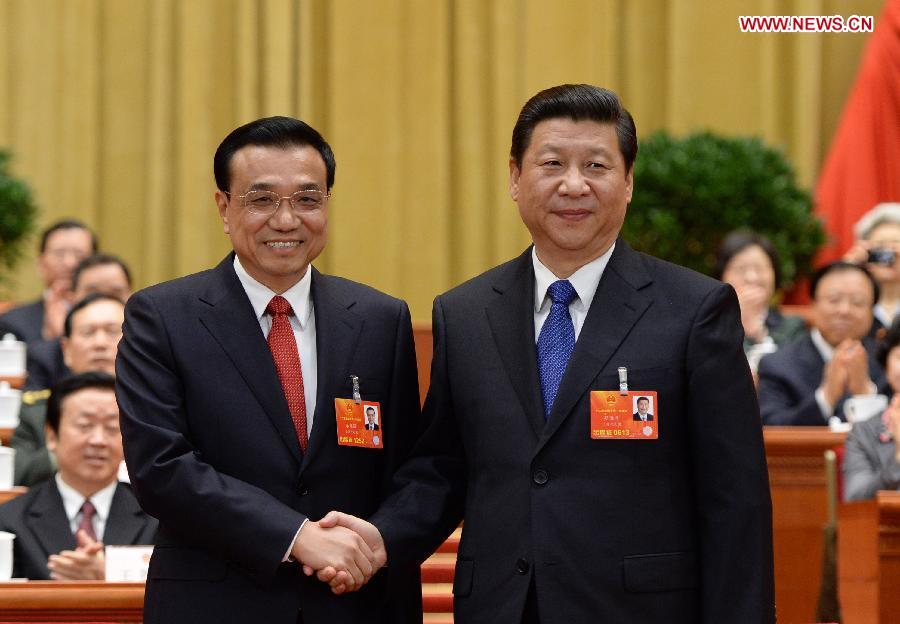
<point>631,415</point>
<point>359,423</point>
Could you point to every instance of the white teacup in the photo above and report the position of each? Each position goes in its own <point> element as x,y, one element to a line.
<point>6,555</point>
<point>7,467</point>
<point>862,407</point>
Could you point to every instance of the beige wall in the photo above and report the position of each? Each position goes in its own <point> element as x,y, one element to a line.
<point>114,109</point>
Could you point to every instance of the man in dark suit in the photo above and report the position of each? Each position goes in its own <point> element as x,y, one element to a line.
<point>549,500</point>
<point>103,274</point>
<point>62,524</point>
<point>371,423</point>
<point>63,245</point>
<point>227,382</point>
<point>808,381</point>
<point>92,330</point>
<point>643,407</point>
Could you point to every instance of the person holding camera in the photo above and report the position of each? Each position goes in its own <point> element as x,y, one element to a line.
<point>877,247</point>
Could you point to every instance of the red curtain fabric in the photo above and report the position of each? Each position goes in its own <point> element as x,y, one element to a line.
<point>862,167</point>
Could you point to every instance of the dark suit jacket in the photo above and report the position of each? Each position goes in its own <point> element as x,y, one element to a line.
<point>869,464</point>
<point>38,518</point>
<point>33,462</point>
<point>45,364</point>
<point>25,321</point>
<point>637,416</point>
<point>788,380</point>
<point>373,427</point>
<point>544,504</point>
<point>212,451</point>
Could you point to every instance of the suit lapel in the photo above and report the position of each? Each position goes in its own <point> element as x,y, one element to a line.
<point>126,520</point>
<point>617,306</point>
<point>230,319</point>
<point>48,520</point>
<point>337,332</point>
<point>511,317</point>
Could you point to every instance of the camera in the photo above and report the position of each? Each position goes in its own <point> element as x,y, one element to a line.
<point>882,256</point>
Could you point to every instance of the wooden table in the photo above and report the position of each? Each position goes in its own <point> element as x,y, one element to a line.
<point>799,512</point>
<point>869,559</point>
<point>77,601</point>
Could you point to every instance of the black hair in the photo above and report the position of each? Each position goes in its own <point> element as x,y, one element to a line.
<point>81,305</point>
<point>737,241</point>
<point>67,224</point>
<point>841,265</point>
<point>70,385</point>
<point>280,132</point>
<point>577,102</point>
<point>639,399</point>
<point>99,259</point>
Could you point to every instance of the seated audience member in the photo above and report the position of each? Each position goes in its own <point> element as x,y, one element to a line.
<point>748,261</point>
<point>807,381</point>
<point>99,273</point>
<point>62,524</point>
<point>92,331</point>
<point>871,457</point>
<point>878,248</point>
<point>63,245</point>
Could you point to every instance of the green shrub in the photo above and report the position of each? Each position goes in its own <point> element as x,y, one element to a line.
<point>689,193</point>
<point>17,216</point>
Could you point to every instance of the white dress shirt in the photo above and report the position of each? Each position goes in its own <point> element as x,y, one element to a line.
<point>73,500</point>
<point>827,352</point>
<point>585,281</point>
<point>303,322</point>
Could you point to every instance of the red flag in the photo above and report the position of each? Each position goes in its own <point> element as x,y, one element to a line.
<point>862,168</point>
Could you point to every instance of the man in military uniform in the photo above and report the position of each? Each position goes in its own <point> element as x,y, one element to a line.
<point>91,337</point>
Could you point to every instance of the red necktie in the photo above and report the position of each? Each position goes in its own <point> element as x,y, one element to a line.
<point>287,363</point>
<point>87,519</point>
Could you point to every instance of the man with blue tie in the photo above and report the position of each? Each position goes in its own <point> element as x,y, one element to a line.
<point>536,364</point>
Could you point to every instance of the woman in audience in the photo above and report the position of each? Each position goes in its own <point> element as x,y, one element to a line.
<point>871,457</point>
<point>878,248</point>
<point>748,261</point>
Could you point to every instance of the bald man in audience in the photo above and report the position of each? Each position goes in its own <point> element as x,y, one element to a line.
<point>807,382</point>
<point>62,524</point>
<point>92,331</point>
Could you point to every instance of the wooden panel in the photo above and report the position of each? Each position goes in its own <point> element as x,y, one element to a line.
<point>799,511</point>
<point>77,601</point>
<point>869,559</point>
<point>424,348</point>
<point>8,495</point>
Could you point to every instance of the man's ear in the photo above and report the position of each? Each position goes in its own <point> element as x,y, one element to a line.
<point>64,346</point>
<point>51,438</point>
<point>514,173</point>
<point>222,204</point>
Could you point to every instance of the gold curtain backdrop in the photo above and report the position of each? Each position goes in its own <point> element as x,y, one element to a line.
<point>113,109</point>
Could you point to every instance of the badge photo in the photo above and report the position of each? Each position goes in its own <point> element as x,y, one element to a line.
<point>628,415</point>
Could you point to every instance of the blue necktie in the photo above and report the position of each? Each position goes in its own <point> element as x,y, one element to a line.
<point>555,344</point>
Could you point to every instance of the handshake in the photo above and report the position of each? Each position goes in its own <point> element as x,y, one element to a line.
<point>341,550</point>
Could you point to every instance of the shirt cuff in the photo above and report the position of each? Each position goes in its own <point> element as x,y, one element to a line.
<point>288,557</point>
<point>825,407</point>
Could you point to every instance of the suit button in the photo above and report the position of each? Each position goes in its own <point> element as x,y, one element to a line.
<point>303,490</point>
<point>540,477</point>
<point>522,566</point>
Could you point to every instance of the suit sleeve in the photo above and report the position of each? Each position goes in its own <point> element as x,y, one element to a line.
<point>781,403</point>
<point>863,473</point>
<point>429,490</point>
<point>32,463</point>
<point>192,499</point>
<point>730,472</point>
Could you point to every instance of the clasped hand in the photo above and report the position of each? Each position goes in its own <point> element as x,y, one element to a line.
<point>341,550</point>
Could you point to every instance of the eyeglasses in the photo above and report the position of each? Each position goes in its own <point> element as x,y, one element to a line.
<point>266,203</point>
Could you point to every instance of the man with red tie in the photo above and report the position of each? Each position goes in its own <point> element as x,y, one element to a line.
<point>227,383</point>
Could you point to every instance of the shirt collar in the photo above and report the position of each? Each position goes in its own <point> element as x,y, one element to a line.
<point>73,499</point>
<point>260,295</point>
<point>822,346</point>
<point>585,280</point>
